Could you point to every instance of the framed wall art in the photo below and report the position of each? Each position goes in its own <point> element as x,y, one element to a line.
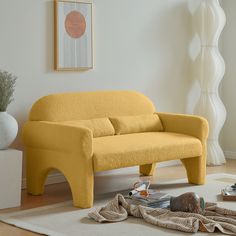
<point>73,35</point>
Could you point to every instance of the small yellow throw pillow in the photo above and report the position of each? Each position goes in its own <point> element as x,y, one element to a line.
<point>136,124</point>
<point>100,126</point>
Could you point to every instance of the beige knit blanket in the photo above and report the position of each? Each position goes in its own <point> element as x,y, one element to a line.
<point>214,218</point>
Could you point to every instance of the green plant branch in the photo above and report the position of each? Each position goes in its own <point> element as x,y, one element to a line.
<point>7,87</point>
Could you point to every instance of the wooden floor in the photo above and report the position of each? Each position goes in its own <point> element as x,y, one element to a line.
<point>61,192</point>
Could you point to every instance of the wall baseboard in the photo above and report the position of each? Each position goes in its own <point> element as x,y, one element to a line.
<point>56,178</point>
<point>230,154</point>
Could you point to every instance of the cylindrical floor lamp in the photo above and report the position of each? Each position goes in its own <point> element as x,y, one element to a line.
<point>209,68</point>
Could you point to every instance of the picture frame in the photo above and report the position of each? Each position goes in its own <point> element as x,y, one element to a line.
<point>73,35</point>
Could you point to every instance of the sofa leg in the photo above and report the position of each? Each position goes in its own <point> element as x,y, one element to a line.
<point>147,170</point>
<point>82,189</point>
<point>35,180</point>
<point>196,169</point>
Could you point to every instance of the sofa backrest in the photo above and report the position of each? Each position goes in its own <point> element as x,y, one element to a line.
<point>89,105</point>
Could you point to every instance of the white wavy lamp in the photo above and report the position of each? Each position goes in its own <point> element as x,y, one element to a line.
<point>209,68</point>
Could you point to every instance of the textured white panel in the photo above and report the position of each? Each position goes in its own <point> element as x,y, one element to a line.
<point>209,68</point>
<point>209,20</point>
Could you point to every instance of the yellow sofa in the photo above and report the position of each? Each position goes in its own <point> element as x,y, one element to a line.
<point>86,132</point>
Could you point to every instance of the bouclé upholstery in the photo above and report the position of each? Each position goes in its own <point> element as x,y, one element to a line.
<point>136,124</point>
<point>85,132</point>
<point>100,127</point>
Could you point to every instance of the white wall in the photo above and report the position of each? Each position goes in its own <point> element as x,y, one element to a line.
<point>139,45</point>
<point>229,81</point>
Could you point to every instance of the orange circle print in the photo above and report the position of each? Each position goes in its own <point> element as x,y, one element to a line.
<point>75,24</point>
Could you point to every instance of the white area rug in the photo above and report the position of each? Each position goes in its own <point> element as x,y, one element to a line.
<point>63,219</point>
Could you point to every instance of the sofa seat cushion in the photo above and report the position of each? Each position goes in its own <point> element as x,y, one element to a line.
<point>119,151</point>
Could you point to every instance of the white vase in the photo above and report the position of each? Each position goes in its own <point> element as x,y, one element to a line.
<point>8,130</point>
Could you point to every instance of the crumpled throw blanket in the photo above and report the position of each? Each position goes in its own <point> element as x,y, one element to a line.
<point>212,219</point>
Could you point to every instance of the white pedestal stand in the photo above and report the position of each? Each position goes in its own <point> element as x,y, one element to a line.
<point>10,178</point>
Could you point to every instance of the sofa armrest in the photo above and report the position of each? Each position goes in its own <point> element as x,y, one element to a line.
<point>196,126</point>
<point>58,137</point>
